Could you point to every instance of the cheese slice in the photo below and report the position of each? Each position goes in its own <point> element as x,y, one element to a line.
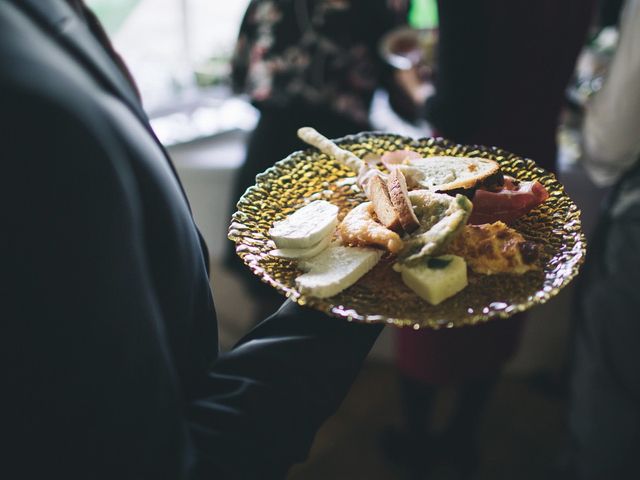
<point>303,252</point>
<point>335,269</point>
<point>435,279</point>
<point>306,226</point>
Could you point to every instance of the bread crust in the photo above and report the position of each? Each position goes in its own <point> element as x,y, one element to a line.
<point>399,195</point>
<point>378,193</point>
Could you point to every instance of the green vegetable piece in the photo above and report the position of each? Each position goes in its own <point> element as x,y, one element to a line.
<point>441,218</point>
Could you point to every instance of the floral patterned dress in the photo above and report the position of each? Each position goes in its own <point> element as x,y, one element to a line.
<point>317,53</point>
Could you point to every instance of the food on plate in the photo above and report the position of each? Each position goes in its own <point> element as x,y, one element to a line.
<point>435,279</point>
<point>444,173</point>
<point>441,218</point>
<point>401,202</point>
<point>420,212</point>
<point>495,248</point>
<point>378,193</point>
<point>360,228</point>
<point>395,157</point>
<point>438,173</point>
<point>335,269</point>
<point>508,203</point>
<point>296,253</point>
<point>365,170</point>
<point>305,227</point>
<point>322,143</point>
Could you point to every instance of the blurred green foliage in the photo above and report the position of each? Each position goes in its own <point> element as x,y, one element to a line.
<point>112,13</point>
<point>423,14</point>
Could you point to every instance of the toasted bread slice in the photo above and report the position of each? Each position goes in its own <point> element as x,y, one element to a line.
<point>306,226</point>
<point>399,196</point>
<point>335,269</point>
<point>445,173</point>
<point>379,195</point>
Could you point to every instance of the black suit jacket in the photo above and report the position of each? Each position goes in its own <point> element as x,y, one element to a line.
<point>108,345</point>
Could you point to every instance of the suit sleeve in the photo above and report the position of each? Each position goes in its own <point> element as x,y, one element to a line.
<point>90,385</point>
<point>265,399</point>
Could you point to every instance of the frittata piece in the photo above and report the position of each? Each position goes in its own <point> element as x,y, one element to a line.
<point>495,248</point>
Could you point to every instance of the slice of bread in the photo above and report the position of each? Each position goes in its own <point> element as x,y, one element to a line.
<point>379,195</point>
<point>295,253</point>
<point>306,226</point>
<point>445,173</point>
<point>399,197</point>
<point>335,269</point>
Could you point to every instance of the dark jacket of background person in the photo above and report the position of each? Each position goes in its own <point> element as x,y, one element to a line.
<point>108,335</point>
<point>605,382</point>
<point>502,70</point>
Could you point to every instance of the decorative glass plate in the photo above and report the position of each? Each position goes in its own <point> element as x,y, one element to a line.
<point>381,296</point>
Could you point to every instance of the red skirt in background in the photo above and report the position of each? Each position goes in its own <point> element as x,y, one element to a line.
<point>451,356</point>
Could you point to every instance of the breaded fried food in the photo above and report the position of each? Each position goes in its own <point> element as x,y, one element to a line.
<point>495,248</point>
<point>360,228</point>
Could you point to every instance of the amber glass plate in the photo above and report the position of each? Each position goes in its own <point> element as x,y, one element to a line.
<point>381,296</point>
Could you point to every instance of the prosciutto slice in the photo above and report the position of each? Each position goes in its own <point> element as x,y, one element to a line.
<point>511,202</point>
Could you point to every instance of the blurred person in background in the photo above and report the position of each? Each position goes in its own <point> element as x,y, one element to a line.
<point>306,62</point>
<point>604,415</point>
<point>500,79</point>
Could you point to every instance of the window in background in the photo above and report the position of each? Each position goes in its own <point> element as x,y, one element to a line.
<point>179,52</point>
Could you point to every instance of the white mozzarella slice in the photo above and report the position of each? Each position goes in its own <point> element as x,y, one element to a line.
<point>306,226</point>
<point>335,269</point>
<point>299,253</point>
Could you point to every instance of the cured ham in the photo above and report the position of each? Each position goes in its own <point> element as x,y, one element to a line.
<point>507,204</point>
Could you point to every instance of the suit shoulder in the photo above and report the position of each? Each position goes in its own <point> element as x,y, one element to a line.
<point>35,72</point>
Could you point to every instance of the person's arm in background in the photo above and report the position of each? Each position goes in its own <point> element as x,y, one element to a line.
<point>241,59</point>
<point>89,386</point>
<point>611,131</point>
